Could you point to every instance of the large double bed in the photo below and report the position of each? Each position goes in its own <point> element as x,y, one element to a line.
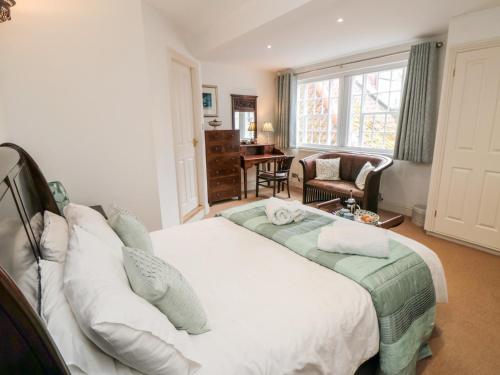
<point>271,311</point>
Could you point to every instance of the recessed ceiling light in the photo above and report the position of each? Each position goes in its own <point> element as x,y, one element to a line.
<point>340,20</point>
<point>269,46</point>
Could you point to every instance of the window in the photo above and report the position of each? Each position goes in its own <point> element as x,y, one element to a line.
<point>317,112</point>
<point>368,120</point>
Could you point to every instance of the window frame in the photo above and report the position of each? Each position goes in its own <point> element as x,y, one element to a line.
<point>344,110</point>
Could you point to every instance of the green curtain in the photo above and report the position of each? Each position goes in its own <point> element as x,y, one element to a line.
<point>282,131</point>
<point>417,119</point>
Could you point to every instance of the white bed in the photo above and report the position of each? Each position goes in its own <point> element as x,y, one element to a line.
<point>271,310</point>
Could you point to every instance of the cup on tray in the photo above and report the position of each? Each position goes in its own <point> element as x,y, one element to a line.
<point>344,211</point>
<point>348,216</point>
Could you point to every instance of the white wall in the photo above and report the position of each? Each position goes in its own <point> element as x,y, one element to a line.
<point>3,125</point>
<point>161,38</point>
<point>482,25</point>
<point>76,86</point>
<point>242,81</point>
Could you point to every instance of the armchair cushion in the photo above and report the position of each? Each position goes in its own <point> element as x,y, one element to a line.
<point>328,169</point>
<point>363,174</point>
<point>338,187</point>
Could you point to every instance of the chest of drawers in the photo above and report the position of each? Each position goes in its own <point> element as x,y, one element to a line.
<point>223,164</point>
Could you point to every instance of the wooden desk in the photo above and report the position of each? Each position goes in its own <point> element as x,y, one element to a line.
<point>251,155</point>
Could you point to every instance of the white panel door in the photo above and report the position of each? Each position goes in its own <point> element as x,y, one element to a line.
<point>469,196</point>
<point>183,126</point>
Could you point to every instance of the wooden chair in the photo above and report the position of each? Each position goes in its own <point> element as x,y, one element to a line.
<point>278,177</point>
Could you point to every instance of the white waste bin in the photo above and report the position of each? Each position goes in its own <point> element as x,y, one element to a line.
<point>418,215</point>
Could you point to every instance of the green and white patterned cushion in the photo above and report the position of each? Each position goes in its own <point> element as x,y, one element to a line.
<point>164,286</point>
<point>130,230</point>
<point>60,194</point>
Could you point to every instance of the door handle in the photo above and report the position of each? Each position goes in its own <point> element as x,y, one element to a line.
<point>195,142</point>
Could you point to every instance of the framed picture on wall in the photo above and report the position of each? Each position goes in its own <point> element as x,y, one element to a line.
<point>210,100</point>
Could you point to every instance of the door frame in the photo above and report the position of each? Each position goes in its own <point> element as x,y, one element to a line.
<point>442,126</point>
<point>194,68</point>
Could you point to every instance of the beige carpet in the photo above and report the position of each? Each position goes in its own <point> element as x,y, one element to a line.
<point>467,337</point>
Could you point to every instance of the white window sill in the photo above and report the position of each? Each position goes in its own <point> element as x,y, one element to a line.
<point>348,149</point>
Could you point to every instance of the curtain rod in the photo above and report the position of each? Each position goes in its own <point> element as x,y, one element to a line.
<point>438,45</point>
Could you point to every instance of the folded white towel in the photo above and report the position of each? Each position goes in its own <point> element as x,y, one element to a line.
<point>280,212</point>
<point>298,212</point>
<point>354,238</point>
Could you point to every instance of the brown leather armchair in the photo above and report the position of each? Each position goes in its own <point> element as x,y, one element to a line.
<point>350,165</point>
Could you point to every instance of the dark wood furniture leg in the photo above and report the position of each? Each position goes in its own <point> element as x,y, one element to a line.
<point>245,181</point>
<point>257,180</point>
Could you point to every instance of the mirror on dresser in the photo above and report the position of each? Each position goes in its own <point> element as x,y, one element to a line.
<point>244,115</point>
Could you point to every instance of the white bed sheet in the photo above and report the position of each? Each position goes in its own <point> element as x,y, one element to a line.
<point>271,311</point>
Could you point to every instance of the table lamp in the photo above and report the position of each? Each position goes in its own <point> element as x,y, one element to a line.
<point>252,127</point>
<point>268,128</point>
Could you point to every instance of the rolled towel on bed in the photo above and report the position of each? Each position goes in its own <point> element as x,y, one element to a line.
<point>354,238</point>
<point>278,212</point>
<point>298,212</point>
<point>281,212</point>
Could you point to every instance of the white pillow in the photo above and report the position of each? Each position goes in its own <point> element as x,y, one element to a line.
<point>79,353</point>
<point>363,173</point>
<point>328,169</point>
<point>121,323</point>
<point>93,222</point>
<point>55,237</point>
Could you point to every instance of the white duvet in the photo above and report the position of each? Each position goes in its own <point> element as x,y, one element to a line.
<point>272,311</point>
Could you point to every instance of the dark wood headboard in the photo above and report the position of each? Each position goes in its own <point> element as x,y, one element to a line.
<point>25,345</point>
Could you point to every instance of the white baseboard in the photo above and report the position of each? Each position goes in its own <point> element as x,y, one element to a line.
<point>394,207</point>
<point>464,243</point>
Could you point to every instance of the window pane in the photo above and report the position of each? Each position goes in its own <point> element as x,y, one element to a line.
<point>317,112</point>
<point>374,108</point>
<point>357,85</point>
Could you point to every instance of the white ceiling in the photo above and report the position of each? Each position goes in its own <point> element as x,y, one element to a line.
<point>305,31</point>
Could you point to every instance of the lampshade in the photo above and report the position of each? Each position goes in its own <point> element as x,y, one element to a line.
<point>252,127</point>
<point>5,6</point>
<point>268,127</point>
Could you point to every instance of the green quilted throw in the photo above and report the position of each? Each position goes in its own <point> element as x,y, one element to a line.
<point>400,286</point>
